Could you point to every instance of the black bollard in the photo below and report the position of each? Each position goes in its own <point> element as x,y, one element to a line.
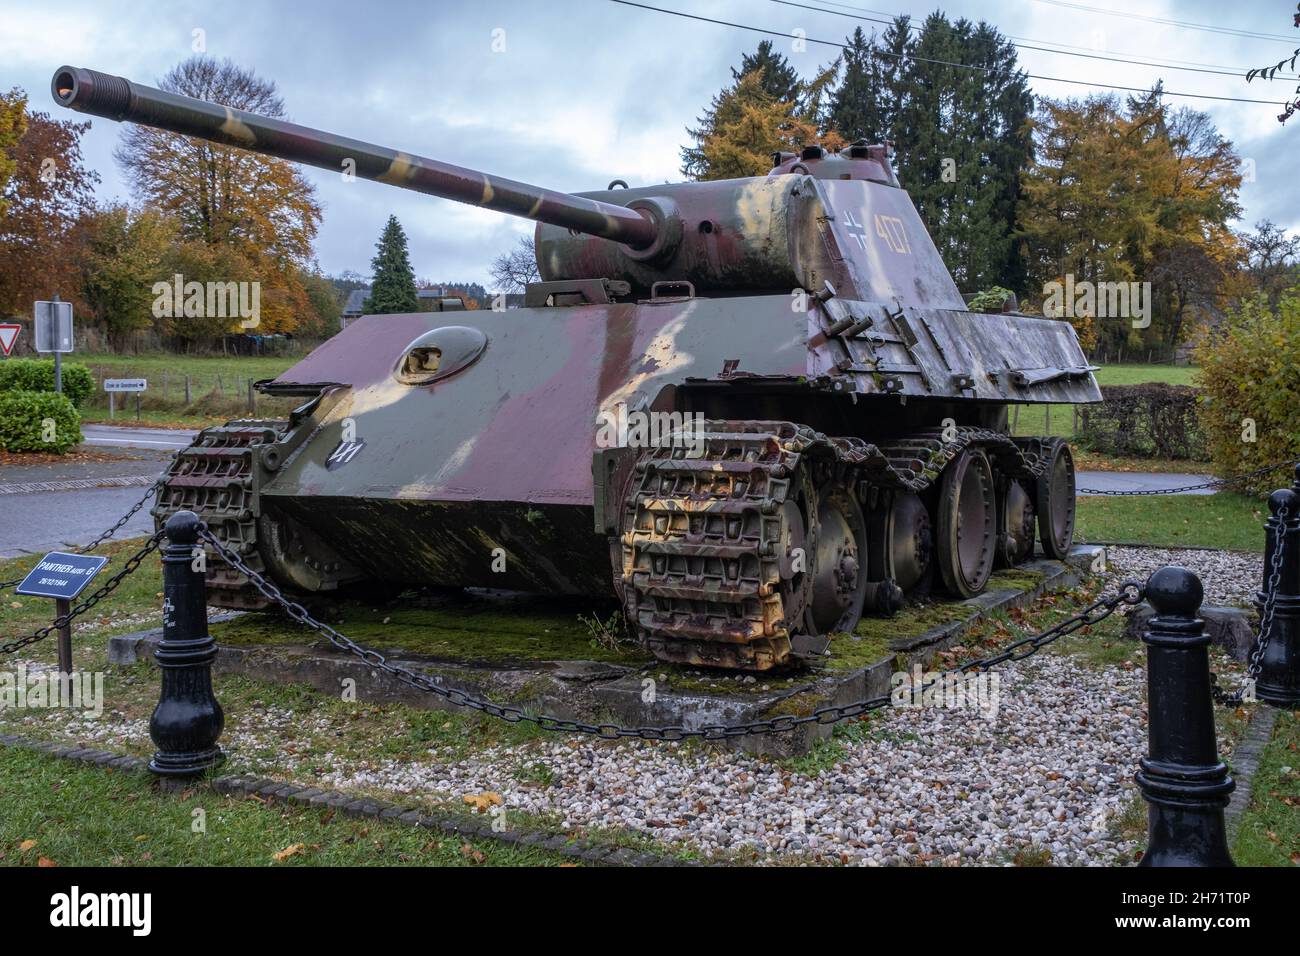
<point>1185,784</point>
<point>188,720</point>
<point>1278,682</point>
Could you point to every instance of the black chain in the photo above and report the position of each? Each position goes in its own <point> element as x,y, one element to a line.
<point>1215,483</point>
<point>1265,621</point>
<point>1130,593</point>
<point>86,604</point>
<point>153,490</point>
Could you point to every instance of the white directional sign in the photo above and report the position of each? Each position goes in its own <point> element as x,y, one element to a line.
<point>53,326</point>
<point>125,384</point>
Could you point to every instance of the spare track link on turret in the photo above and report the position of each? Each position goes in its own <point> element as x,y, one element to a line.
<point>215,479</point>
<point>702,537</point>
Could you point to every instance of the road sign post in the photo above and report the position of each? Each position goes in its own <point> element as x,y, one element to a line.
<point>52,326</point>
<point>115,385</point>
<point>61,576</point>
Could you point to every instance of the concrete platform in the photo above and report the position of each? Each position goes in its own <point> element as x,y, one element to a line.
<point>647,695</point>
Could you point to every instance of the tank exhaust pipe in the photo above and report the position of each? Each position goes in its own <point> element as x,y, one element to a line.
<point>121,100</point>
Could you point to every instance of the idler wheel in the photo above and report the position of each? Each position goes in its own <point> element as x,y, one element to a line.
<point>839,562</point>
<point>1056,501</point>
<point>967,527</point>
<point>1017,525</point>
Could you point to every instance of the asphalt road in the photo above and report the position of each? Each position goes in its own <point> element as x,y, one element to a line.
<point>1140,481</point>
<point>120,436</point>
<point>63,516</point>
<point>46,507</point>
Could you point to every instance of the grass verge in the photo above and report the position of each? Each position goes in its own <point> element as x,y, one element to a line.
<point>1269,831</point>
<point>1223,520</point>
<point>65,814</point>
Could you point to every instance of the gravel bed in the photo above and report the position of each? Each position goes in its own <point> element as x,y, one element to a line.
<point>1048,774</point>
<point>1229,577</point>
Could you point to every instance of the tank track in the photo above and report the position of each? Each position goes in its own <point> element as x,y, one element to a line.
<point>702,538</point>
<point>214,478</point>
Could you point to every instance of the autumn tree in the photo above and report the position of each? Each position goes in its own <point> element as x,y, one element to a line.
<point>325,306</point>
<point>13,123</point>
<point>257,215</point>
<point>221,195</point>
<point>513,270</point>
<point>1133,192</point>
<point>125,253</point>
<point>45,198</point>
<point>393,287</point>
<point>745,125</point>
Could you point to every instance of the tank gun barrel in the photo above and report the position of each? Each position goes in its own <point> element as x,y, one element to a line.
<point>119,99</point>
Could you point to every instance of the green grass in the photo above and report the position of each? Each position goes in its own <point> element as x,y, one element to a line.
<point>218,387</point>
<point>201,368</point>
<point>88,816</point>
<point>1223,520</point>
<point>460,627</point>
<point>1139,374</point>
<point>1269,830</point>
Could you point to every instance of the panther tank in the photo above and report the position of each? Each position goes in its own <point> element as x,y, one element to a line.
<point>751,410</point>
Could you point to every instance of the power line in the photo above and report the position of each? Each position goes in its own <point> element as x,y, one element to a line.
<point>1208,28</point>
<point>919,59</point>
<point>1027,43</point>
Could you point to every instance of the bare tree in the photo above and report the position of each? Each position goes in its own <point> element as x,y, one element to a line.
<point>1272,258</point>
<point>513,270</point>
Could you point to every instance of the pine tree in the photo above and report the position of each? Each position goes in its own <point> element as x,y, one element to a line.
<point>393,288</point>
<point>858,106</point>
<point>780,81</point>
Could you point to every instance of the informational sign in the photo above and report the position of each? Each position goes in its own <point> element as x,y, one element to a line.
<point>61,575</point>
<point>8,336</point>
<point>53,326</point>
<point>125,384</point>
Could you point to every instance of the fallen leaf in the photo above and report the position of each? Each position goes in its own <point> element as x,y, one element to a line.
<point>46,861</point>
<point>289,851</point>
<point>26,845</point>
<point>481,801</point>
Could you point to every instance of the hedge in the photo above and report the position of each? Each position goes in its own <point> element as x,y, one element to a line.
<point>36,375</point>
<point>1154,420</point>
<point>23,418</point>
<point>1250,372</point>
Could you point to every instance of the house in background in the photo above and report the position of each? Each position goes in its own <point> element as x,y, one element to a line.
<point>430,300</point>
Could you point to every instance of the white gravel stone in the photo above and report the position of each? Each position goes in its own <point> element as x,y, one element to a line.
<point>1230,578</point>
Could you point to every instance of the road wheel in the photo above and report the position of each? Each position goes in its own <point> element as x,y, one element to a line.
<point>1017,518</point>
<point>967,526</point>
<point>1056,500</point>
<point>839,561</point>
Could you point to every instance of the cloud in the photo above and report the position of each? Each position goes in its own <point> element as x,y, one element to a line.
<point>584,91</point>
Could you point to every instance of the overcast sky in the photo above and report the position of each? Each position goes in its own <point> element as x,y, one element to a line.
<point>586,91</point>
